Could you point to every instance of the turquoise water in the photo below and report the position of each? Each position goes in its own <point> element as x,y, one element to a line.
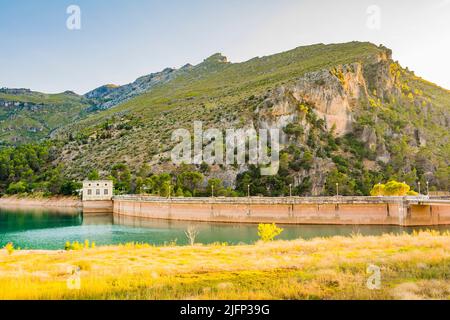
<point>45,229</point>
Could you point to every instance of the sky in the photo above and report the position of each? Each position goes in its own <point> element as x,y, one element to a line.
<point>121,40</point>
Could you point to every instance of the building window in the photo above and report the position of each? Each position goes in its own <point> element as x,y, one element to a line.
<point>89,192</point>
<point>97,192</point>
<point>105,192</point>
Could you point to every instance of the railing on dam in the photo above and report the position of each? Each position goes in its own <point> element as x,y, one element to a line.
<point>282,200</point>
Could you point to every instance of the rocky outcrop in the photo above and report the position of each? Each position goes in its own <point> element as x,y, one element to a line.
<point>101,92</point>
<point>15,91</point>
<point>108,96</point>
<point>332,93</point>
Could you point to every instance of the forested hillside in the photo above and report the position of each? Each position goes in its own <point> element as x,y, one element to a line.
<point>348,114</point>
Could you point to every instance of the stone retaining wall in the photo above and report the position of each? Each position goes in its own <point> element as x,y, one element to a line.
<point>324,210</point>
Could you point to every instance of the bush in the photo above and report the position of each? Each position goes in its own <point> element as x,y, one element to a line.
<point>267,232</point>
<point>347,185</point>
<point>93,175</point>
<point>293,129</point>
<point>179,193</point>
<point>70,188</point>
<point>392,188</point>
<point>9,248</point>
<point>378,190</point>
<point>17,187</point>
<point>78,246</point>
<point>217,184</point>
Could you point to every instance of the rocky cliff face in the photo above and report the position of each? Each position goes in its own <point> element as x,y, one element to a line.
<point>333,94</point>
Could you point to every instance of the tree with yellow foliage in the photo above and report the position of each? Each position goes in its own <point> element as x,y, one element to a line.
<point>378,190</point>
<point>392,188</point>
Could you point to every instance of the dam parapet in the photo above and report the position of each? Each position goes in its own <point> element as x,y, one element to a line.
<point>401,211</point>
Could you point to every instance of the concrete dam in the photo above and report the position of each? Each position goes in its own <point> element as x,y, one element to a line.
<point>401,211</point>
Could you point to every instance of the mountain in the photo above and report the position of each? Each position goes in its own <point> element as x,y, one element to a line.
<point>27,116</point>
<point>108,96</point>
<point>348,113</point>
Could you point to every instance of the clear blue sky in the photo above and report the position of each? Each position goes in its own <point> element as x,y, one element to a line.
<point>121,40</point>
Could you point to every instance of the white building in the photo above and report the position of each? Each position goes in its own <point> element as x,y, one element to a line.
<point>97,190</point>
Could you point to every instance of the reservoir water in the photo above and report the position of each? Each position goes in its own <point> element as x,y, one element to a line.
<point>50,229</point>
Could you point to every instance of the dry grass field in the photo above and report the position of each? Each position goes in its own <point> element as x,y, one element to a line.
<point>412,267</point>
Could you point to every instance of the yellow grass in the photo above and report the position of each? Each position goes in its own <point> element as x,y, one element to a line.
<point>412,267</point>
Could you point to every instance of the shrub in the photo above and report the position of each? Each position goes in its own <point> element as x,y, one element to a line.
<point>378,190</point>
<point>347,185</point>
<point>191,233</point>
<point>293,129</point>
<point>267,232</point>
<point>392,188</point>
<point>307,160</point>
<point>70,188</point>
<point>16,188</point>
<point>179,193</point>
<point>9,248</point>
<point>217,184</point>
<point>94,175</point>
<point>341,163</point>
<point>78,246</point>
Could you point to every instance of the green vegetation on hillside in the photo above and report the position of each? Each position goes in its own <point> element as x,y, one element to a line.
<point>215,92</point>
<point>27,116</point>
<point>27,169</point>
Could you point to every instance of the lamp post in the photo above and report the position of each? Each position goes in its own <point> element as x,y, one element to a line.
<point>248,190</point>
<point>290,190</point>
<point>212,191</point>
<point>428,188</point>
<point>170,187</point>
<point>337,189</point>
<point>419,187</point>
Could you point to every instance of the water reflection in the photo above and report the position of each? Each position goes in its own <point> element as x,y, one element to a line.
<point>49,229</point>
<point>98,219</point>
<point>24,218</point>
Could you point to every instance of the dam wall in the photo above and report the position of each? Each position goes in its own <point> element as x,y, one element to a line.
<point>98,206</point>
<point>401,211</point>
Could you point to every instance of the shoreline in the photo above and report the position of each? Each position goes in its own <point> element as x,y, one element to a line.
<point>50,202</point>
